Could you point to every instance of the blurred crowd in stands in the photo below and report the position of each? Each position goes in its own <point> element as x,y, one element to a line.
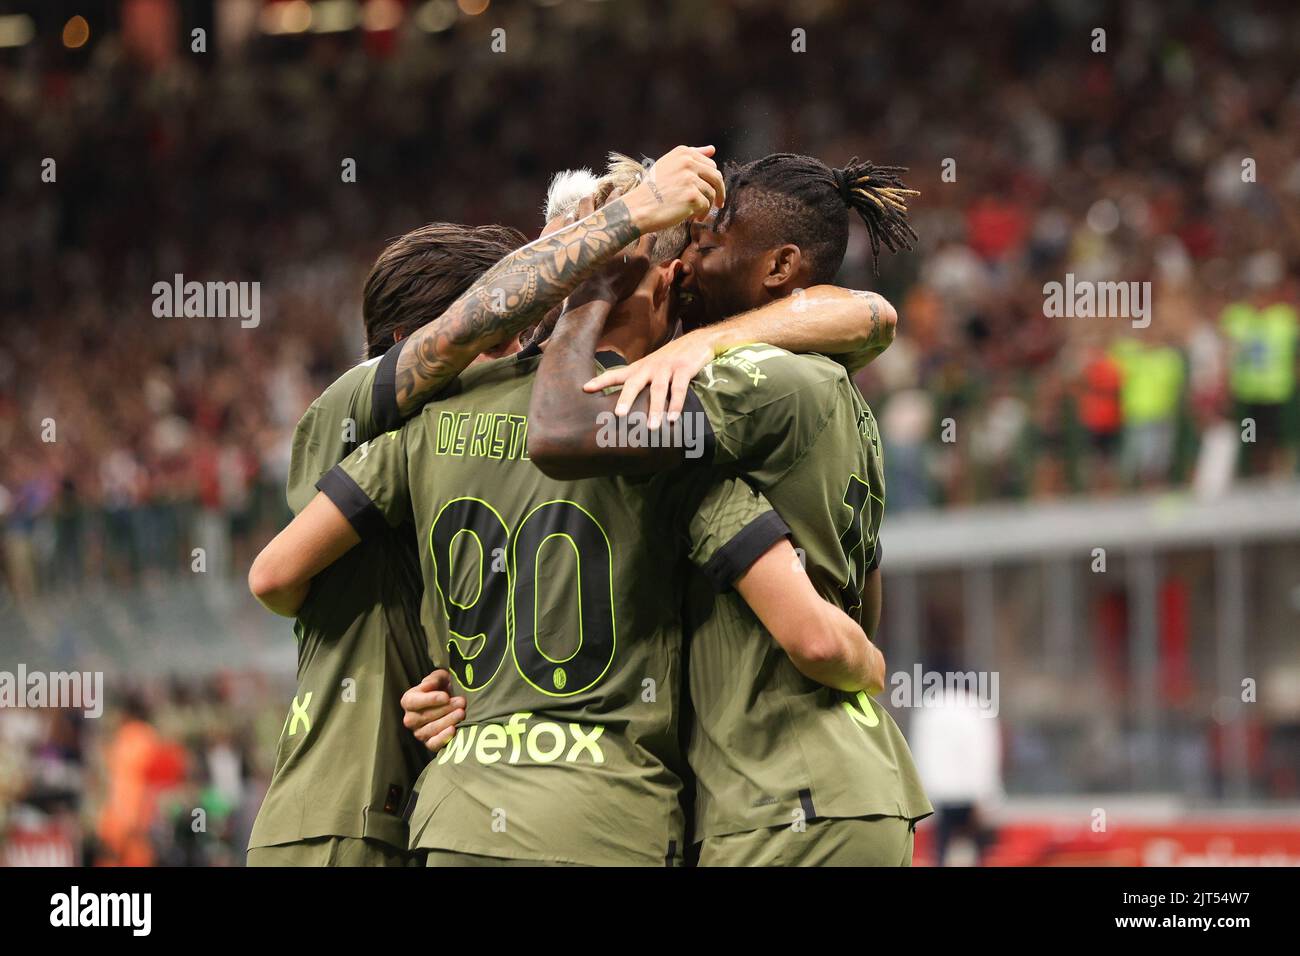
<point>127,440</point>
<point>172,775</point>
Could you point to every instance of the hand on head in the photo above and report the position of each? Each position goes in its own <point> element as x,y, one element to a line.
<point>685,183</point>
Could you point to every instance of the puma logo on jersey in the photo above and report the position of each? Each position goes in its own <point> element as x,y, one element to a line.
<point>711,377</point>
<point>363,450</point>
<point>863,713</point>
<point>298,715</point>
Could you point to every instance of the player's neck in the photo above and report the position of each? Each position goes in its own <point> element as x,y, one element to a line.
<point>619,346</point>
<point>632,341</point>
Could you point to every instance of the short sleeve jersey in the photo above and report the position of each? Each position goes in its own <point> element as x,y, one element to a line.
<point>556,607</point>
<point>769,745</point>
<point>345,765</point>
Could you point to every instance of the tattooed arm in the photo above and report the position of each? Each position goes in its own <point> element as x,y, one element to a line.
<point>852,327</point>
<point>867,331</point>
<point>525,285</point>
<point>513,294</point>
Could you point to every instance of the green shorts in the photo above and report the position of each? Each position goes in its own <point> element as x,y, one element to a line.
<point>333,851</point>
<point>456,858</point>
<point>844,841</point>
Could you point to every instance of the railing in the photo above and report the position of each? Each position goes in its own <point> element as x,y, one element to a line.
<point>1140,644</point>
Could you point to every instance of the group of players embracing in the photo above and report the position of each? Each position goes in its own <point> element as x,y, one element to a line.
<point>585,557</point>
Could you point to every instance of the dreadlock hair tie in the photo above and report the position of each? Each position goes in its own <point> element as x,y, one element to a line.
<point>879,196</point>
<point>844,184</point>
<point>801,200</point>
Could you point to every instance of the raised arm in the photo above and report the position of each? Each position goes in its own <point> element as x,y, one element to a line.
<point>513,294</point>
<point>850,326</point>
<point>526,284</point>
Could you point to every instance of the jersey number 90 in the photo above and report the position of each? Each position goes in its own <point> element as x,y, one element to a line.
<point>500,617</point>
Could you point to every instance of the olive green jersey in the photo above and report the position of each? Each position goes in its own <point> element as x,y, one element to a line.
<point>345,765</point>
<point>556,607</point>
<point>769,745</point>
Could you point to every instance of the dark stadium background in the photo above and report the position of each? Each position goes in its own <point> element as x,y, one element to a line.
<point>1119,690</point>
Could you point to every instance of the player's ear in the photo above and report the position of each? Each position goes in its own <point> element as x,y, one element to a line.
<point>785,264</point>
<point>665,275</point>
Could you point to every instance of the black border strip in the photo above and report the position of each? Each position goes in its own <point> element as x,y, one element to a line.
<point>693,406</point>
<point>875,557</point>
<point>383,398</point>
<point>745,547</point>
<point>671,855</point>
<point>339,487</point>
<point>805,801</point>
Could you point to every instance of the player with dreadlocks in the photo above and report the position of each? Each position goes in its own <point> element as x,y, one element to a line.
<point>801,201</point>
<point>784,228</point>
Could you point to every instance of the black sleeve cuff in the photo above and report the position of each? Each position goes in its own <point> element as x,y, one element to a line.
<point>694,407</point>
<point>339,487</point>
<point>749,544</point>
<point>875,556</point>
<point>383,400</point>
